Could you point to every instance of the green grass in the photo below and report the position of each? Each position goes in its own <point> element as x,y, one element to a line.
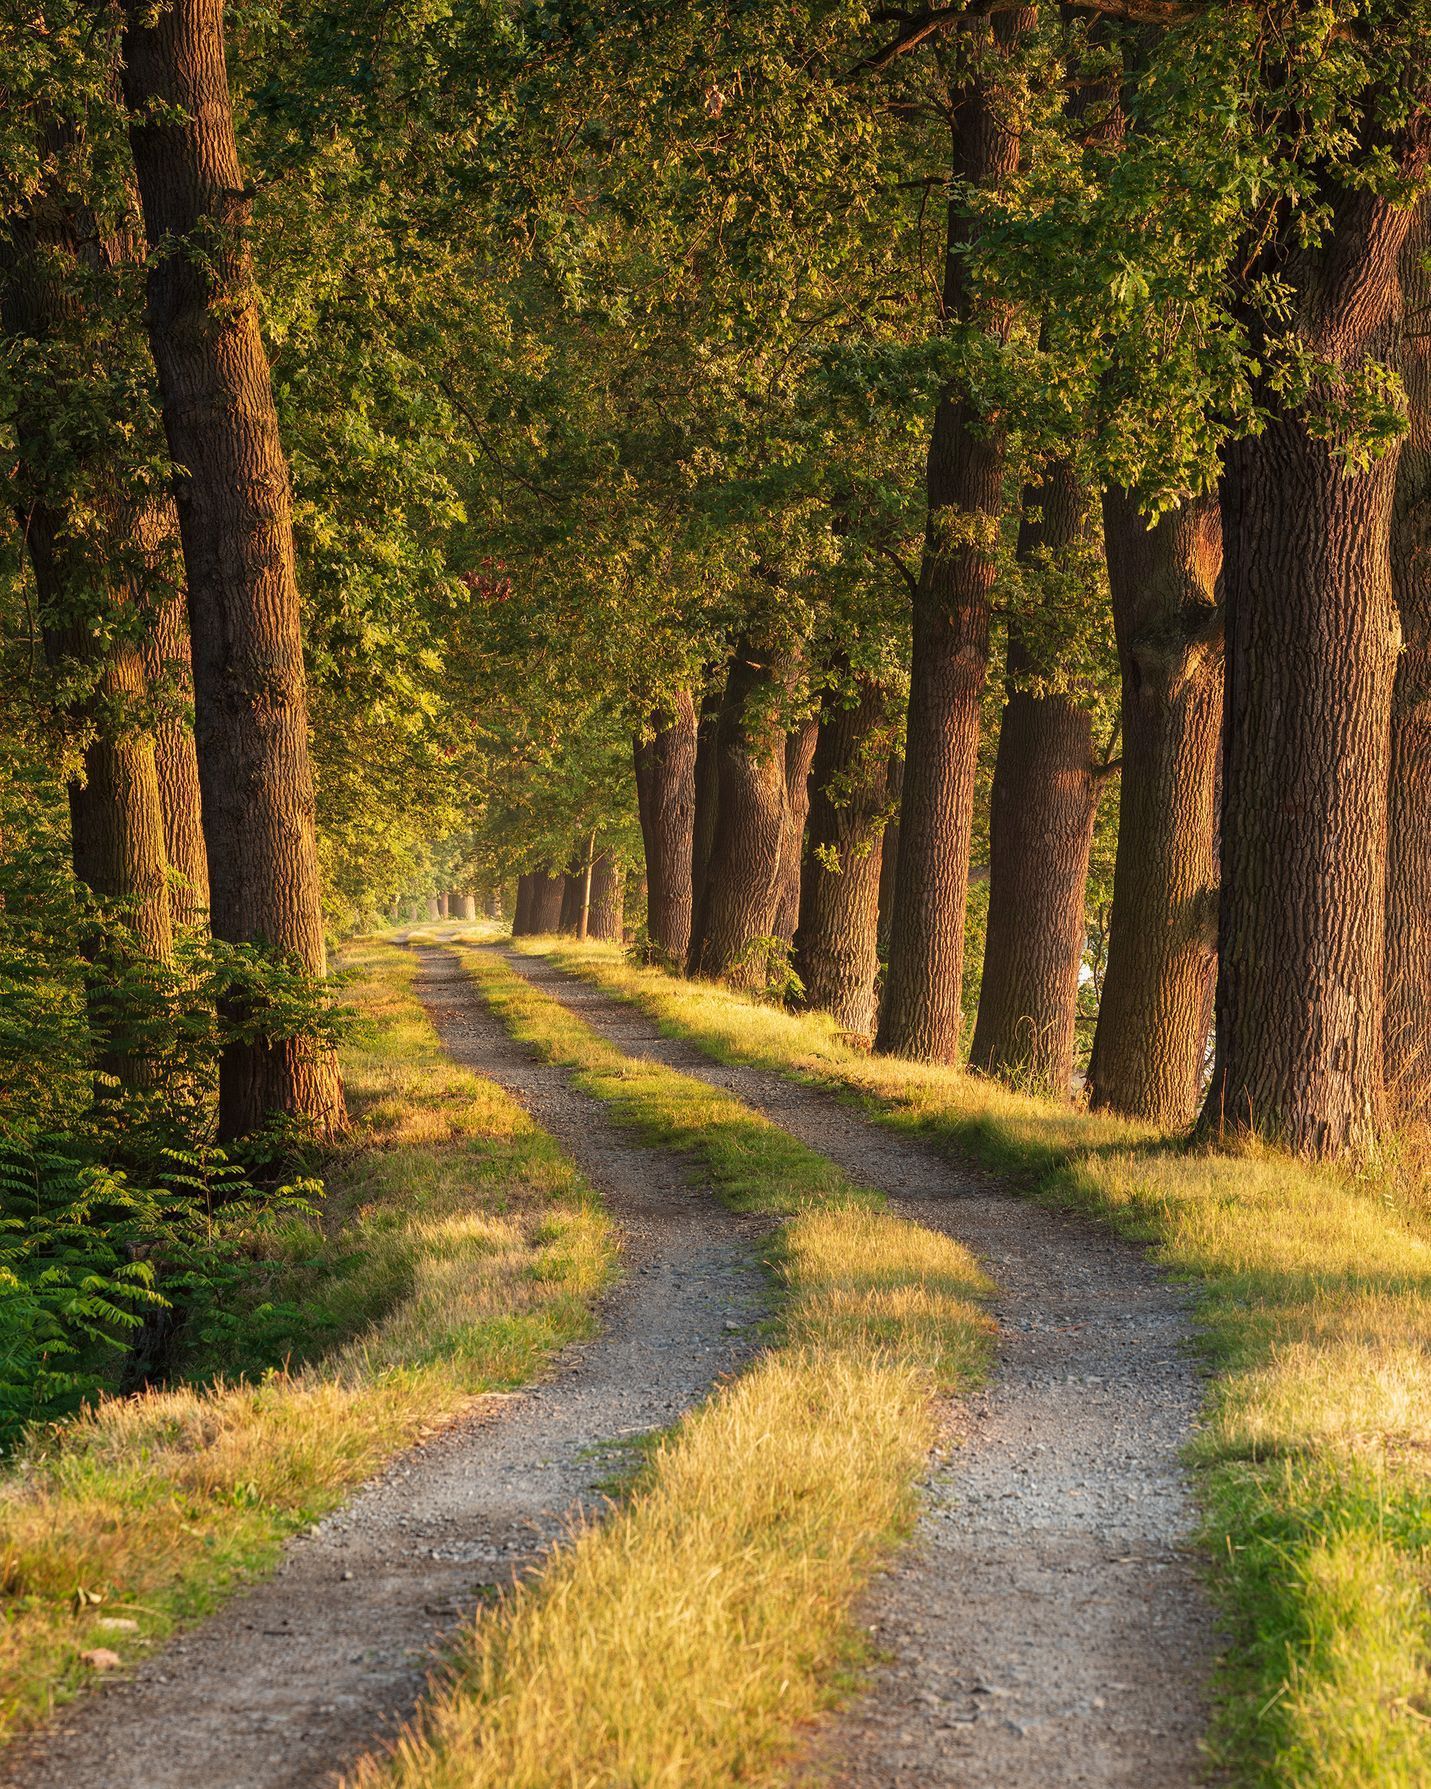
<point>682,1643</point>
<point>1314,1304</point>
<point>460,1247</point>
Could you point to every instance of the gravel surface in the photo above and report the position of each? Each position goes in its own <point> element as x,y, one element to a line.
<point>290,1681</point>
<point>1047,1626</point>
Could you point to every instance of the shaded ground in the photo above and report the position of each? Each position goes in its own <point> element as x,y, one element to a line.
<point>1048,1626</point>
<point>290,1681</point>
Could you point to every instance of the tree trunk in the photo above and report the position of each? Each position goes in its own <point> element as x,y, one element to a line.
<point>469,906</point>
<point>80,536</point>
<point>1408,868</point>
<point>522,915</point>
<point>444,905</point>
<point>546,901</point>
<point>1042,808</point>
<point>666,796</point>
<point>739,902</point>
<point>965,481</point>
<point>1148,1049</point>
<point>837,941</point>
<point>573,887</point>
<point>889,852</point>
<point>799,757</point>
<point>707,808</point>
<point>605,920</point>
<point>251,714</point>
<point>434,908</point>
<point>170,671</point>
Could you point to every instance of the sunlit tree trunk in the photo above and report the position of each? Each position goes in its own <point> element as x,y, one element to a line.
<point>665,759</point>
<point>799,756</point>
<point>251,716</point>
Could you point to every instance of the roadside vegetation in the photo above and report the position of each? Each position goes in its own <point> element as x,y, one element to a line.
<point>1314,1305</point>
<point>683,1642</point>
<point>457,1249</point>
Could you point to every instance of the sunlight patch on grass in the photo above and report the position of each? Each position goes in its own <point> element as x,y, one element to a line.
<point>1314,1302</point>
<point>460,1248</point>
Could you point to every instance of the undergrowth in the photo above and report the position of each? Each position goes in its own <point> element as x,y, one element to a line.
<point>681,1643</point>
<point>1315,1311</point>
<point>459,1247</point>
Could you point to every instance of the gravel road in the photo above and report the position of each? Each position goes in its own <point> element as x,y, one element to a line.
<point>1047,1627</point>
<point>291,1680</point>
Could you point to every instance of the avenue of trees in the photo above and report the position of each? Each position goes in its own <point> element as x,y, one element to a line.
<point>921,513</point>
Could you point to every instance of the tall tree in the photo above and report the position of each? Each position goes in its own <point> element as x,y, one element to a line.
<point>235,520</point>
<point>1408,869</point>
<point>665,759</point>
<point>965,484</point>
<point>1148,1049</point>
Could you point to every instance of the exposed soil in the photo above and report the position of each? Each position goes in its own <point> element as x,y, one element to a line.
<point>1048,1624</point>
<point>293,1679</point>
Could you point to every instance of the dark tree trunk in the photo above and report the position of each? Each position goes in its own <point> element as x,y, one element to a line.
<point>889,852</point>
<point>1312,643</point>
<point>739,903</point>
<point>666,796</point>
<point>837,941</point>
<point>605,918</point>
<point>522,916</point>
<point>89,605</point>
<point>1149,1047</point>
<point>573,890</point>
<point>171,676</point>
<point>251,712</point>
<point>799,757</point>
<point>1408,867</point>
<point>546,901</point>
<point>1042,809</point>
<point>707,808</point>
<point>965,479</point>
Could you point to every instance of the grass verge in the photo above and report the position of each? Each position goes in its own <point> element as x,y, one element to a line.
<point>1315,1303</point>
<point>681,1643</point>
<point>459,1248</point>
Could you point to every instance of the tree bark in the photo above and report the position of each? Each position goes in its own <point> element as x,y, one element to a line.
<point>573,888</point>
<point>1312,643</point>
<point>739,901</point>
<point>965,483</point>
<point>605,921</point>
<point>889,852</point>
<point>837,940</point>
<point>434,908</point>
<point>707,807</point>
<point>1042,808</point>
<point>799,757</point>
<point>170,671</point>
<point>1408,868</point>
<point>666,796</point>
<point>546,901</point>
<point>1151,1038</point>
<point>522,915</point>
<point>469,906</point>
<point>251,715</point>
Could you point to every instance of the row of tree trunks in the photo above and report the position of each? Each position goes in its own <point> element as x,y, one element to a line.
<point>965,481</point>
<point>1312,647</point>
<point>739,896</point>
<point>235,521</point>
<point>1043,805</point>
<point>665,759</point>
<point>1408,868</point>
<point>1151,1038</point>
<point>837,938</point>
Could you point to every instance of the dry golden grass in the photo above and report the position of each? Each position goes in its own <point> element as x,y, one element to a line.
<point>468,1244</point>
<point>1314,1296</point>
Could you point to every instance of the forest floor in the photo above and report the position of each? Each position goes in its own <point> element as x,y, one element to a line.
<point>1048,1624</point>
<point>292,1680</point>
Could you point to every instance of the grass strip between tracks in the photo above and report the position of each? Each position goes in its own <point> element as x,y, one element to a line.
<point>681,1642</point>
<point>460,1247</point>
<point>1314,1459</point>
